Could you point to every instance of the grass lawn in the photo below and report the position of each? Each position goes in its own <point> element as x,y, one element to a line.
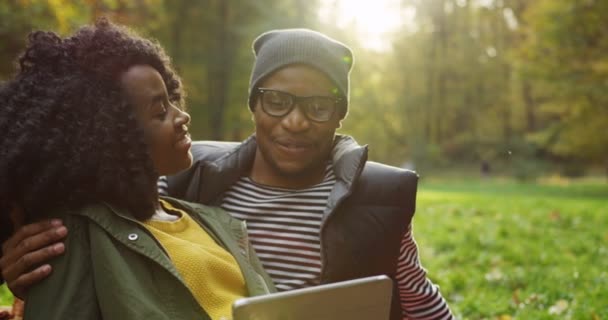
<point>503,250</point>
<point>6,298</point>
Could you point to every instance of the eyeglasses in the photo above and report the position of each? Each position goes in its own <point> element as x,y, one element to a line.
<point>316,108</point>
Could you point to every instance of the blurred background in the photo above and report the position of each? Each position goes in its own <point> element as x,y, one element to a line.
<point>511,87</point>
<point>500,105</point>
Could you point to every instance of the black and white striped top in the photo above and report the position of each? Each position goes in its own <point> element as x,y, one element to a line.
<point>284,228</point>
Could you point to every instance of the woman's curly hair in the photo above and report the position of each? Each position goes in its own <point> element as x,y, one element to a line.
<point>68,135</point>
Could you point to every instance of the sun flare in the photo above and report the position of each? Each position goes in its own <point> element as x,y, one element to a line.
<point>372,20</point>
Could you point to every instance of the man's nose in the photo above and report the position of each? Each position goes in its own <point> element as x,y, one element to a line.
<point>295,120</point>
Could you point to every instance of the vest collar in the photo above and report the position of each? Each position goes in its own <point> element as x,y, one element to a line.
<point>348,161</point>
<point>220,174</point>
<point>348,158</point>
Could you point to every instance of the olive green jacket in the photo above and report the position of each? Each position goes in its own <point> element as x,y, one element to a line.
<point>113,268</point>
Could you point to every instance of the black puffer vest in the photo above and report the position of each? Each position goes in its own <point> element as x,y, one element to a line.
<point>367,212</point>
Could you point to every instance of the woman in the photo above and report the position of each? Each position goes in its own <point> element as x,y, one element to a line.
<point>89,123</point>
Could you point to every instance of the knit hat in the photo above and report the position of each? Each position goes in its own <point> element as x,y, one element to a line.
<point>278,48</point>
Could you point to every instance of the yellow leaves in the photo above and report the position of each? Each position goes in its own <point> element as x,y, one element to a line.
<point>504,317</point>
<point>65,14</point>
<point>600,66</point>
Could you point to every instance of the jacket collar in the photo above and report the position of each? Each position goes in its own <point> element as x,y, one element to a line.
<point>120,225</point>
<point>229,232</point>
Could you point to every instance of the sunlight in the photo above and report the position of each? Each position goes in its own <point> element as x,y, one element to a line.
<point>373,21</point>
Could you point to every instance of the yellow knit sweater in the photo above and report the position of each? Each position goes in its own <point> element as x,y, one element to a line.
<point>209,271</point>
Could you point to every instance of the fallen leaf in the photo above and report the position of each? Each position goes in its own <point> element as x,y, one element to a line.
<point>554,215</point>
<point>515,297</point>
<point>532,298</point>
<point>504,317</point>
<point>494,275</point>
<point>559,307</point>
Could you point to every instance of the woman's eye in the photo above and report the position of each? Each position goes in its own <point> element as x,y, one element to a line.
<point>161,113</point>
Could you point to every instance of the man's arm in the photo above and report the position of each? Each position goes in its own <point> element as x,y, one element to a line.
<point>419,297</point>
<point>25,255</point>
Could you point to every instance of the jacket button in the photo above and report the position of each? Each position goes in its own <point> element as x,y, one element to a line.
<point>133,236</point>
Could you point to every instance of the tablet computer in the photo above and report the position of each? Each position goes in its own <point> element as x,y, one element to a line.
<point>360,299</point>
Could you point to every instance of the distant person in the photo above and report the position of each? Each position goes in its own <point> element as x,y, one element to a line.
<point>317,210</point>
<point>89,123</point>
<point>485,168</point>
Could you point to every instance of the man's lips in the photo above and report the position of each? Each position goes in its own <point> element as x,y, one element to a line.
<point>294,146</point>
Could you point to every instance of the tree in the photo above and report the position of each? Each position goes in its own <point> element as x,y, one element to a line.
<point>564,53</point>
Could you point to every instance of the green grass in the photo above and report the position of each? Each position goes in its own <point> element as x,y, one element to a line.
<point>499,248</point>
<point>6,298</point>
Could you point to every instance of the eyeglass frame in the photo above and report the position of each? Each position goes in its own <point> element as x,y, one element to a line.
<point>295,100</point>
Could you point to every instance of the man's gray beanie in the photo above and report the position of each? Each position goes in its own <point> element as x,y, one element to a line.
<point>278,48</point>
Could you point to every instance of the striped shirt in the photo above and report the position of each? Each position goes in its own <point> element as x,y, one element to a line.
<point>284,229</point>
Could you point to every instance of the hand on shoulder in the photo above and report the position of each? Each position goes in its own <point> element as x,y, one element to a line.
<point>26,253</point>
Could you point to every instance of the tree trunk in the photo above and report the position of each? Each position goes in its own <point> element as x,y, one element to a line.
<point>529,104</point>
<point>443,73</point>
<point>219,71</point>
<point>177,32</point>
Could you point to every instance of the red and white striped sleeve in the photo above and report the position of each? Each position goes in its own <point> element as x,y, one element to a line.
<point>420,299</point>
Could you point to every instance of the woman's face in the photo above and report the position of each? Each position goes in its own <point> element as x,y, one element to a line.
<point>165,125</point>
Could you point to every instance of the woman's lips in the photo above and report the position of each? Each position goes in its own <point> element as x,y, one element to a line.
<point>184,143</point>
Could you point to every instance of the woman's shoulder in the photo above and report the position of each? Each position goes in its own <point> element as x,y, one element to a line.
<point>78,219</point>
<point>84,210</point>
<point>76,214</point>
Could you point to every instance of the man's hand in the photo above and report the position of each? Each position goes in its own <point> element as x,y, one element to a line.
<point>4,315</point>
<point>25,254</point>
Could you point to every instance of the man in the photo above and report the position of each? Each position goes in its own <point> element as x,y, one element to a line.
<point>317,210</point>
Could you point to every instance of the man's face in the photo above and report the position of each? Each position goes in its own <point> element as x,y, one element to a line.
<point>292,150</point>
